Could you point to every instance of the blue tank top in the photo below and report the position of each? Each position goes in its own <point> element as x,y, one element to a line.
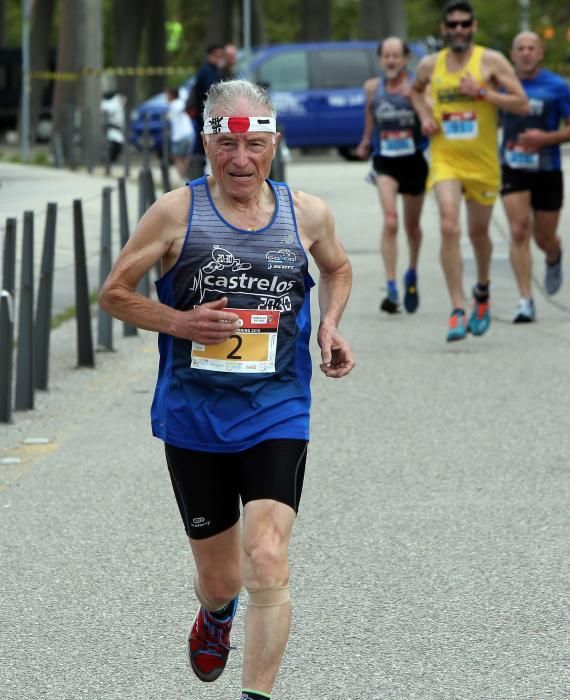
<point>256,385</point>
<point>398,130</point>
<point>549,100</point>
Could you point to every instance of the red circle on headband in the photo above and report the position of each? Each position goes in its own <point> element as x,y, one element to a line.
<point>238,125</point>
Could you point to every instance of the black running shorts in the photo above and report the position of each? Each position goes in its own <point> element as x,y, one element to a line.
<point>546,187</point>
<point>208,485</point>
<point>410,172</point>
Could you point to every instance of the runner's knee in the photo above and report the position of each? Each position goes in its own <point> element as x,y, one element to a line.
<point>449,229</point>
<point>390,223</point>
<point>265,565</point>
<point>520,232</point>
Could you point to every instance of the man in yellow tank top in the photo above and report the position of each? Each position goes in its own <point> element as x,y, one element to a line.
<point>469,84</point>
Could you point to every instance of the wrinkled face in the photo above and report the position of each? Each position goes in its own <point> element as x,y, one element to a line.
<point>458,29</point>
<point>241,162</point>
<point>392,60</point>
<point>527,53</point>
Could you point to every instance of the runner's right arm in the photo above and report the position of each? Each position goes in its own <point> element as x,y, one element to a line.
<point>363,148</point>
<point>159,235</point>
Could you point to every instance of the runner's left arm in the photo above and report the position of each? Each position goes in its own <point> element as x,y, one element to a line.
<point>317,229</point>
<point>502,87</point>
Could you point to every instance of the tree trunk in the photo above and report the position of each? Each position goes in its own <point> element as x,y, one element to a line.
<point>2,23</point>
<point>66,92</point>
<point>315,20</point>
<point>42,20</point>
<point>382,18</point>
<point>90,29</point>
<point>258,34</point>
<point>126,44</point>
<point>219,22</point>
<point>156,43</point>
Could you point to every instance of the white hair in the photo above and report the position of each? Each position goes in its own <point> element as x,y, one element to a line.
<point>221,98</point>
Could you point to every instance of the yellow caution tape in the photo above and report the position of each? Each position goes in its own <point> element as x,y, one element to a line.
<point>130,71</point>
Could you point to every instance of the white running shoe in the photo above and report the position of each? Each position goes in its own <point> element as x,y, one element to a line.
<point>525,311</point>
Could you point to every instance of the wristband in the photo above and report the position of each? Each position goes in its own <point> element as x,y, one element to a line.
<point>481,93</point>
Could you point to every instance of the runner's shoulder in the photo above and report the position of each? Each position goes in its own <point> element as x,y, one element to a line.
<point>370,85</point>
<point>173,207</point>
<point>425,68</point>
<point>311,211</point>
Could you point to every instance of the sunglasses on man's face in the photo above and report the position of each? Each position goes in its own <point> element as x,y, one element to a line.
<point>463,23</point>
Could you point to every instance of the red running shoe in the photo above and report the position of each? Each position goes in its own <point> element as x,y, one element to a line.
<point>208,643</point>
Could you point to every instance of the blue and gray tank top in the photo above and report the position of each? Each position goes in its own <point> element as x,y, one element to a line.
<point>398,130</point>
<point>256,385</point>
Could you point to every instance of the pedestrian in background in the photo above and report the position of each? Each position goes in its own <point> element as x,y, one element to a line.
<point>182,134</point>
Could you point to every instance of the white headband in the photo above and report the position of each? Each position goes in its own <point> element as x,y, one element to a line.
<point>239,125</point>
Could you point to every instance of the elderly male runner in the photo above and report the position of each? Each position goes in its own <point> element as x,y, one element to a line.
<point>532,175</point>
<point>468,84</point>
<point>232,397</point>
<point>398,162</point>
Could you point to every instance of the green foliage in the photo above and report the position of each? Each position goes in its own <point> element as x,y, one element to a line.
<point>345,19</point>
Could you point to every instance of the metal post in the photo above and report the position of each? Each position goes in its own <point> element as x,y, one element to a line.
<point>247,28</point>
<point>44,301</point>
<point>87,143</point>
<point>524,23</point>
<point>26,12</point>
<point>25,356</point>
<point>6,354</point>
<point>146,142</point>
<point>9,257</point>
<point>128,330</point>
<point>105,320</point>
<point>85,353</point>
<point>57,146</point>
<point>70,135</point>
<point>126,146</point>
<point>143,286</point>
<point>7,321</point>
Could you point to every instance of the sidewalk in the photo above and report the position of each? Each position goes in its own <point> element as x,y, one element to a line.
<point>430,557</point>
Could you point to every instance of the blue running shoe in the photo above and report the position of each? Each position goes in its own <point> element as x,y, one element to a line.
<point>411,296</point>
<point>208,643</point>
<point>457,329</point>
<point>480,319</point>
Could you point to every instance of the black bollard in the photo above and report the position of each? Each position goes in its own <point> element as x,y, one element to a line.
<point>128,330</point>
<point>9,257</point>
<point>44,301</point>
<point>85,353</point>
<point>105,320</point>
<point>25,355</point>
<point>7,321</point>
<point>6,354</point>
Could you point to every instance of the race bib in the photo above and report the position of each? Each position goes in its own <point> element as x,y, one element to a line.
<point>397,143</point>
<point>517,157</point>
<point>460,126</point>
<point>251,349</point>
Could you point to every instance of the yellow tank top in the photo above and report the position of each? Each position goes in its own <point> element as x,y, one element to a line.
<point>467,140</point>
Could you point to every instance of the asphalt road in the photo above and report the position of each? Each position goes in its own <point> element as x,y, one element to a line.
<point>430,559</point>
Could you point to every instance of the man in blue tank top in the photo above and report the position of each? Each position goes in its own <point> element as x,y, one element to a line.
<point>232,398</point>
<point>392,129</point>
<point>531,170</point>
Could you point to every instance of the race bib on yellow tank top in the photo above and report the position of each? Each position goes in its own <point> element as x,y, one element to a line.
<point>459,126</point>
